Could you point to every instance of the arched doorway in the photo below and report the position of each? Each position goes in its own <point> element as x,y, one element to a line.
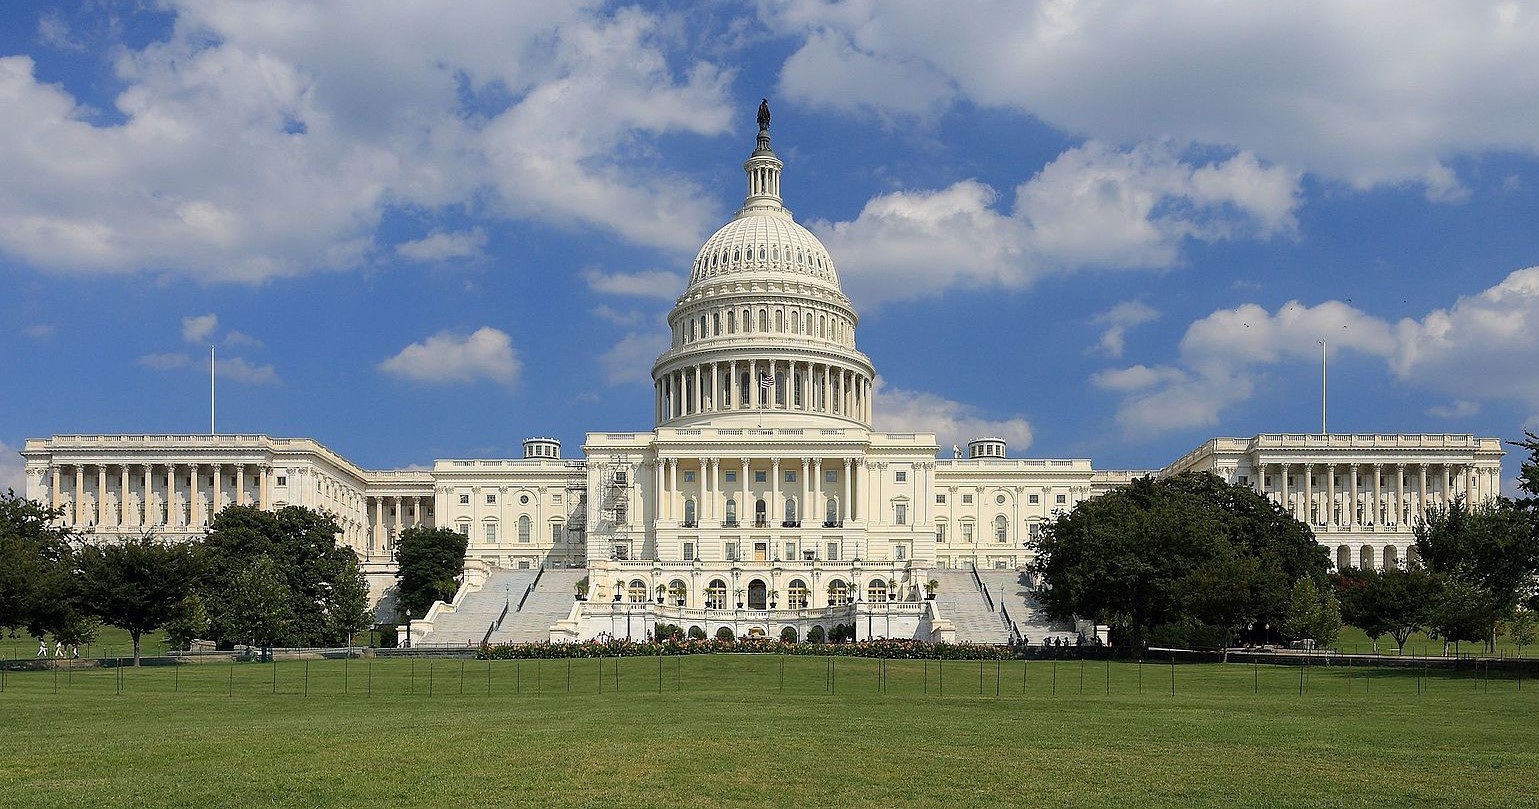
<point>758,598</point>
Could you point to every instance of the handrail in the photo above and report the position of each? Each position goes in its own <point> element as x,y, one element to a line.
<point>987,599</point>
<point>529,589</point>
<point>1015,632</point>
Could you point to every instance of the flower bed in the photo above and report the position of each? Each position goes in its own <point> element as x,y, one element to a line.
<point>886,648</point>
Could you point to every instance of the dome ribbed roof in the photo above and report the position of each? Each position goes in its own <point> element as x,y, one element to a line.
<point>763,244</point>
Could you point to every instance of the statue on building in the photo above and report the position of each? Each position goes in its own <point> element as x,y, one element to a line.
<point>956,451</point>
<point>764,115</point>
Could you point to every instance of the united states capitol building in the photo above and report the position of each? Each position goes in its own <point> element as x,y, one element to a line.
<point>762,500</point>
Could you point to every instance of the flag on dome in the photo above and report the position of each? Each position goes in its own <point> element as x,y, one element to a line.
<point>766,381</point>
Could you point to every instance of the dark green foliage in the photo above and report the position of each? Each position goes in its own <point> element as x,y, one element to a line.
<point>136,584</point>
<point>1313,612</point>
<point>723,633</point>
<point>1485,558</point>
<point>788,635</point>
<point>1394,602</point>
<point>662,632</point>
<point>37,587</point>
<point>696,633</point>
<point>189,622</point>
<point>280,578</point>
<point>430,561</point>
<point>1188,551</point>
<point>815,634</point>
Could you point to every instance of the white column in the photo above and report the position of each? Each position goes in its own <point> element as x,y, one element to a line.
<point>774,510</point>
<point>101,494</point>
<point>1399,496</point>
<point>1330,495</point>
<point>173,513</point>
<point>1378,494</point>
<point>145,499</point>
<point>123,517</point>
<point>79,494</point>
<point>742,505</point>
<point>673,488</point>
<point>1421,497</point>
<point>848,505</point>
<point>217,493</point>
<point>817,488</point>
<point>240,484</point>
<point>1309,493</point>
<point>1352,512</point>
<point>806,487</point>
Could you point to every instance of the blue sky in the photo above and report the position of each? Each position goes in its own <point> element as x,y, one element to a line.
<point>1099,230</point>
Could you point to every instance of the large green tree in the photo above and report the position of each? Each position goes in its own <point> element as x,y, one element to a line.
<point>1184,550</point>
<point>430,559</point>
<point>325,592</point>
<point>137,583</point>
<point>1395,602</point>
<point>37,583</point>
<point>1487,557</point>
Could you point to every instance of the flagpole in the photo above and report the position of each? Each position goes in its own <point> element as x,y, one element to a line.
<point>1322,387</point>
<point>211,390</point>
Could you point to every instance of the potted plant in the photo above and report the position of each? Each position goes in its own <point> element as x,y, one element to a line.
<point>619,588</point>
<point>740,598</point>
<point>929,589</point>
<point>582,589</point>
<point>662,590</point>
<point>774,595</point>
<point>678,595</point>
<point>892,590</point>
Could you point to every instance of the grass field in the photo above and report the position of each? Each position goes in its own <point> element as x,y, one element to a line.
<point>733,730</point>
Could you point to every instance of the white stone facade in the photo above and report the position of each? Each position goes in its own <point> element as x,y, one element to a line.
<point>763,498</point>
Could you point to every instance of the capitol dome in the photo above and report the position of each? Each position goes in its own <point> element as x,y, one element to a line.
<point>762,325</point>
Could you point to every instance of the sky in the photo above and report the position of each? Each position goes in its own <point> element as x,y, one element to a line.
<point>1099,230</point>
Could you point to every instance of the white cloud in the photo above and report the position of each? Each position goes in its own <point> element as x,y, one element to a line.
<point>1368,93</point>
<point>630,360</point>
<point>39,331</point>
<point>12,469</point>
<point>237,339</point>
<point>446,357</point>
<point>898,410</point>
<point>1092,207</point>
<point>198,328</point>
<point>648,284</point>
<point>1118,320</point>
<point>441,245</point>
<point>164,362</point>
<point>630,317</point>
<point>240,370</point>
<point>1480,348</point>
<point>258,140</point>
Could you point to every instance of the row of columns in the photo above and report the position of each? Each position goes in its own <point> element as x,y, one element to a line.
<point>389,516</point>
<point>177,505</point>
<point>714,491</point>
<point>825,388</point>
<point>1415,488</point>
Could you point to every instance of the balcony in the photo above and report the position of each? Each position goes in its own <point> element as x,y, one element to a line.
<point>731,524</point>
<point>760,522</point>
<point>790,523</point>
<point>833,523</point>
<point>690,524</point>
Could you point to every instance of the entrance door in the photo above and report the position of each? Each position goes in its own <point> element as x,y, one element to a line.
<point>756,595</point>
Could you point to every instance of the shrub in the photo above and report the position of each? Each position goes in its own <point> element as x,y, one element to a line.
<point>724,634</point>
<point>696,633</point>
<point>815,635</point>
<point>664,632</point>
<point>788,635</point>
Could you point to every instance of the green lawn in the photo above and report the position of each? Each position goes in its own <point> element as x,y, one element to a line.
<point>732,730</point>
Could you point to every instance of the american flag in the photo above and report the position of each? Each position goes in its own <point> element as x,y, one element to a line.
<point>766,381</point>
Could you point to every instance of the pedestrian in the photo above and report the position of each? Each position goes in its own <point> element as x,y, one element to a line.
<point>74,650</point>
<point>58,648</point>
<point>42,648</point>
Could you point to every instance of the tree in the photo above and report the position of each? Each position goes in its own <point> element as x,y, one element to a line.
<point>37,584</point>
<point>430,562</point>
<point>1187,550</point>
<point>260,606</point>
<point>136,584</point>
<point>325,590</point>
<point>1492,549</point>
<point>1395,601</point>
<point>1523,630</point>
<point>1460,611</point>
<point>189,621</point>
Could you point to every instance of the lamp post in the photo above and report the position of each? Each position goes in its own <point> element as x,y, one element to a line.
<point>408,629</point>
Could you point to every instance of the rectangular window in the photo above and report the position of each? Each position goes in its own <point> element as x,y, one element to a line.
<point>689,551</point>
<point>731,477</point>
<point>689,477</point>
<point>283,480</point>
<point>790,477</point>
<point>556,498</point>
<point>831,476</point>
<point>940,498</point>
<point>1060,499</point>
<point>760,477</point>
<point>833,551</point>
<point>900,552</point>
<point>790,551</point>
<point>491,498</point>
<point>730,552</point>
<point>464,529</point>
<point>967,499</point>
<point>523,564</point>
<point>464,499</point>
<point>1034,499</point>
<point>619,515</point>
<point>967,532</point>
<point>900,513</point>
<point>940,532</point>
<point>555,533</point>
<point>491,532</point>
<point>900,477</point>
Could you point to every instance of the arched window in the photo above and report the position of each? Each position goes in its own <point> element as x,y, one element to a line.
<point>678,592</point>
<point>731,512</point>
<point>821,322</point>
<point>790,511</point>
<point>796,323</point>
<point>763,320</point>
<point>796,592</point>
<point>831,513</point>
<point>1001,528</point>
<point>780,320</point>
<point>636,591</point>
<point>838,593</point>
<point>716,324</point>
<point>1391,557</point>
<point>523,528</point>
<point>691,329</point>
<point>732,322</point>
<point>876,590</point>
<point>744,387</point>
<point>1365,557</point>
<point>760,519</point>
<point>808,327</point>
<point>716,595</point>
<point>1343,557</point>
<point>689,513</point>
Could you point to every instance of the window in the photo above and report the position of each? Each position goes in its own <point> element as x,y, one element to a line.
<point>490,499</point>
<point>833,551</point>
<point>831,476</point>
<point>491,532</point>
<point>556,498</point>
<point>900,552</point>
<point>900,513</point>
<point>967,532</point>
<point>636,591</point>
<point>1033,499</point>
<point>940,499</point>
<point>731,477</point>
<point>759,477</point>
<point>689,513</point>
<point>967,499</point>
<point>760,518</point>
<point>283,480</point>
<point>831,513</point>
<point>790,477</point>
<point>464,529</point>
<point>790,512</point>
<point>555,533</point>
<point>716,595</point>
<point>1001,528</point>
<point>900,477</point>
<point>1060,499</point>
<point>523,529</point>
<point>619,515</point>
<point>790,551</point>
<point>689,551</point>
<point>796,594</point>
<point>940,532</point>
<point>838,593</point>
<point>730,552</point>
<point>464,499</point>
<point>876,590</point>
<point>731,512</point>
<point>689,477</point>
